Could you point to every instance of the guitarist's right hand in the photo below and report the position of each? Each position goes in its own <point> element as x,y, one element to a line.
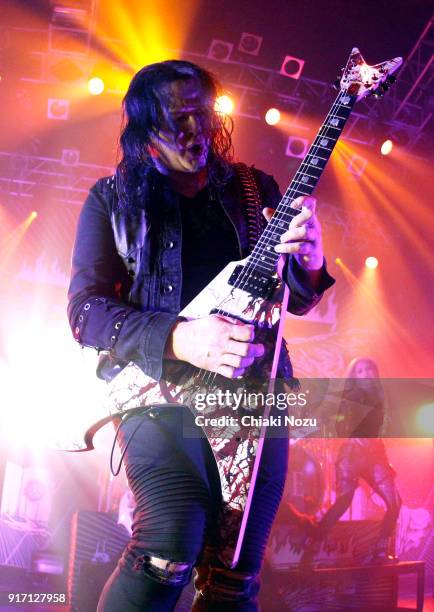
<point>215,343</point>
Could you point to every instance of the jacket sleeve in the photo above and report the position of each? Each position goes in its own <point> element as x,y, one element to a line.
<point>98,315</point>
<point>303,297</point>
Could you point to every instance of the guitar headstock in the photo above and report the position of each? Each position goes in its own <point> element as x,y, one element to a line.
<point>360,79</point>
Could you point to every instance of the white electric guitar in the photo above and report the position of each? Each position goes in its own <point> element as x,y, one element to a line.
<point>250,291</point>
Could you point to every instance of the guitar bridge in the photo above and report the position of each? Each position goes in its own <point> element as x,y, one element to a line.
<point>254,282</point>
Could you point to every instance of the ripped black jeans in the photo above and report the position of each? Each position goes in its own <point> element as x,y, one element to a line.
<point>177,491</point>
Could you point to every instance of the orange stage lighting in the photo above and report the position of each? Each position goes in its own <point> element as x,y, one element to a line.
<point>140,32</point>
<point>371,263</point>
<point>383,334</point>
<point>378,192</point>
<point>386,147</point>
<point>272,116</point>
<point>11,242</point>
<point>95,86</point>
<point>224,104</point>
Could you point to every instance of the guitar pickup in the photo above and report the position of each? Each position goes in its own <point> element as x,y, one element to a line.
<point>253,281</point>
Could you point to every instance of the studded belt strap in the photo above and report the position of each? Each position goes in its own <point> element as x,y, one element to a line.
<point>252,203</point>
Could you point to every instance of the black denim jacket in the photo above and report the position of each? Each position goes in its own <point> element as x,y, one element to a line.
<point>124,295</point>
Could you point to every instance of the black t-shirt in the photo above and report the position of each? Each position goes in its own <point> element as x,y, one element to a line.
<point>209,242</point>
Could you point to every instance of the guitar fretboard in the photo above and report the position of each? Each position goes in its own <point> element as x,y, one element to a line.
<point>264,258</point>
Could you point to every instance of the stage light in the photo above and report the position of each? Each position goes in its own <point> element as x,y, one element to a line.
<point>371,263</point>
<point>95,86</point>
<point>338,260</point>
<point>220,50</point>
<point>386,147</point>
<point>224,104</point>
<point>250,43</point>
<point>45,427</point>
<point>292,67</point>
<point>272,116</point>
<point>425,420</point>
<point>57,108</point>
<point>296,147</point>
<point>33,215</point>
<point>398,137</point>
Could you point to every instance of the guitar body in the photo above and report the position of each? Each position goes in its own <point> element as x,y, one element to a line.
<point>132,388</point>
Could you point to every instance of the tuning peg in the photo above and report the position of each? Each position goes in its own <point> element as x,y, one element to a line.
<point>337,83</point>
<point>385,86</point>
<point>378,93</point>
<point>391,79</point>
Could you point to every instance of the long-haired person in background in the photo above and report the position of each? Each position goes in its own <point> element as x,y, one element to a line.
<point>362,455</point>
<point>148,240</point>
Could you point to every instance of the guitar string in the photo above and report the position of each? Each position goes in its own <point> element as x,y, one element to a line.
<point>289,194</point>
<point>207,376</point>
<point>287,198</point>
<point>324,131</point>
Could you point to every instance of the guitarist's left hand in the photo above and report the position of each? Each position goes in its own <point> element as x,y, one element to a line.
<point>303,238</point>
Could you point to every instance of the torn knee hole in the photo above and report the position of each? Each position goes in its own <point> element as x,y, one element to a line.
<point>164,570</point>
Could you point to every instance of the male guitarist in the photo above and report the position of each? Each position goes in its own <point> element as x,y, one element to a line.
<point>148,240</point>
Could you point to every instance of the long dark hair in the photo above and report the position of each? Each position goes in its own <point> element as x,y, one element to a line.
<point>143,116</point>
<point>353,383</point>
<point>359,399</point>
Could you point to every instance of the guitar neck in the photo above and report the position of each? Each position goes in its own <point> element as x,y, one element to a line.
<point>263,256</point>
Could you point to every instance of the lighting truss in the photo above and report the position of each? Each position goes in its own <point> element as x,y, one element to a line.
<point>405,107</point>
<point>415,109</point>
<point>72,26</point>
<point>27,176</point>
